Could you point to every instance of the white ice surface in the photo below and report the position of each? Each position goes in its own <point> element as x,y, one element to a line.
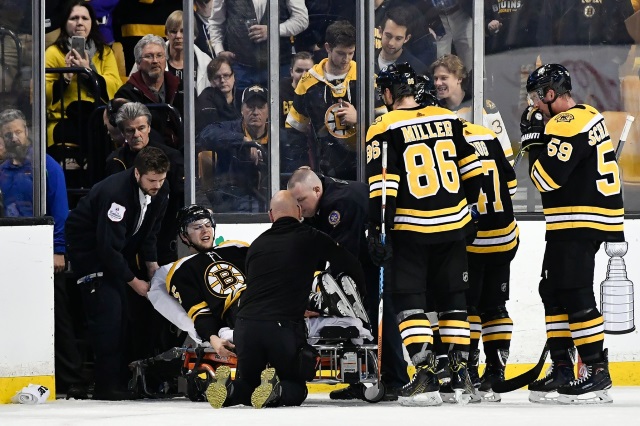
<point>319,410</point>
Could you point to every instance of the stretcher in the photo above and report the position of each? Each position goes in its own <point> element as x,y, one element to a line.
<point>187,371</point>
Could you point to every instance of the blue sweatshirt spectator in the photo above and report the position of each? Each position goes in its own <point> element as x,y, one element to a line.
<point>16,180</point>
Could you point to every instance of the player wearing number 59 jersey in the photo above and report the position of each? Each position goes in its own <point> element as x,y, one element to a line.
<point>432,176</point>
<point>489,256</point>
<point>572,163</point>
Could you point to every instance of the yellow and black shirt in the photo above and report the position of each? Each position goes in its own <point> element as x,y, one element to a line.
<point>316,101</point>
<point>208,286</point>
<point>578,178</point>
<point>432,176</point>
<point>497,236</point>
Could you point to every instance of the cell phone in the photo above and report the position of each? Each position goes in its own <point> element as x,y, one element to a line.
<point>250,23</point>
<point>77,44</point>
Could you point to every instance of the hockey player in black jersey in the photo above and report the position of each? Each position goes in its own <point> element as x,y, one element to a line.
<point>208,283</point>
<point>572,163</point>
<point>433,175</point>
<point>489,256</point>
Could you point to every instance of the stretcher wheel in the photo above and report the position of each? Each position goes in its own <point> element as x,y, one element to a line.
<point>373,392</point>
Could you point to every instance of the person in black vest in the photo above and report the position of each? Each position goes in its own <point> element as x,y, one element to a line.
<point>270,324</point>
<point>119,218</point>
<point>239,31</point>
<point>341,209</point>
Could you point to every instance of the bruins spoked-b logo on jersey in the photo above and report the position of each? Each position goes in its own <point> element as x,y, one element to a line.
<point>224,280</point>
<point>334,124</point>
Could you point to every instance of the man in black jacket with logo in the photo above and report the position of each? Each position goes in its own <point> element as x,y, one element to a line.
<point>340,208</point>
<point>119,218</point>
<point>270,324</point>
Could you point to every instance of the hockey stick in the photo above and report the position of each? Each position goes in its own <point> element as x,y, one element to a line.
<point>373,390</point>
<point>518,158</point>
<point>525,378</point>
<point>623,135</point>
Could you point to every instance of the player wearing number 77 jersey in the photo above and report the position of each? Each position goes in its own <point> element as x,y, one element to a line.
<point>489,256</point>
<point>573,165</point>
<point>432,176</point>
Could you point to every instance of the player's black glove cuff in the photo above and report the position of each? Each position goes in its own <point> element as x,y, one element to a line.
<point>531,128</point>
<point>381,253</point>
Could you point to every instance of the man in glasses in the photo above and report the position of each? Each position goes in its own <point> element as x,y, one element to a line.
<point>151,84</point>
<point>240,148</point>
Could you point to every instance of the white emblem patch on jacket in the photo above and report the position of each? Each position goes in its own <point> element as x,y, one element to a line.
<point>116,212</point>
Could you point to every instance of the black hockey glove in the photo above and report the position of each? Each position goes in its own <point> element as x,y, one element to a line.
<point>475,218</point>
<point>380,253</point>
<point>531,128</point>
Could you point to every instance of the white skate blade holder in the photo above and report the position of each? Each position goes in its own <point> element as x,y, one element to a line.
<point>490,396</point>
<point>597,397</point>
<point>549,398</point>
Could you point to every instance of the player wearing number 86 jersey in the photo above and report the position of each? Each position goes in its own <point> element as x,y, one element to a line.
<point>432,176</point>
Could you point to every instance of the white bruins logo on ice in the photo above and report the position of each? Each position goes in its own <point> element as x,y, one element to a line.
<point>224,279</point>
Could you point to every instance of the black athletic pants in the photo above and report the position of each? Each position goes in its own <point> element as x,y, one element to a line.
<point>104,302</point>
<point>69,362</point>
<point>260,342</point>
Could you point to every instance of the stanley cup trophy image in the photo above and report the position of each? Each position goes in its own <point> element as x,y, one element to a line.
<point>616,292</point>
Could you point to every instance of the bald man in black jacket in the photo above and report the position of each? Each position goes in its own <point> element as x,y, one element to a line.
<point>270,324</point>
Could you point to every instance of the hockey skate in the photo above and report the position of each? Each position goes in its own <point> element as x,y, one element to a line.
<point>269,390</point>
<point>442,369</point>
<point>333,300</point>
<point>493,373</point>
<point>220,388</point>
<point>350,290</point>
<point>472,368</point>
<point>545,390</point>
<point>591,388</point>
<point>460,390</point>
<point>423,389</point>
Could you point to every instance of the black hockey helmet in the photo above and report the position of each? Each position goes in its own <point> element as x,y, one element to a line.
<point>549,76</point>
<point>425,91</point>
<point>400,78</point>
<point>191,213</point>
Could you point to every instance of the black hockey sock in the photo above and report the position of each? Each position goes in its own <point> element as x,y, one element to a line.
<point>558,334</point>
<point>496,335</point>
<point>587,330</point>
<point>454,330</point>
<point>475,329</point>
<point>416,334</point>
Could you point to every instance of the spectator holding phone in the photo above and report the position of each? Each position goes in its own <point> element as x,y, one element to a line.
<point>62,89</point>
